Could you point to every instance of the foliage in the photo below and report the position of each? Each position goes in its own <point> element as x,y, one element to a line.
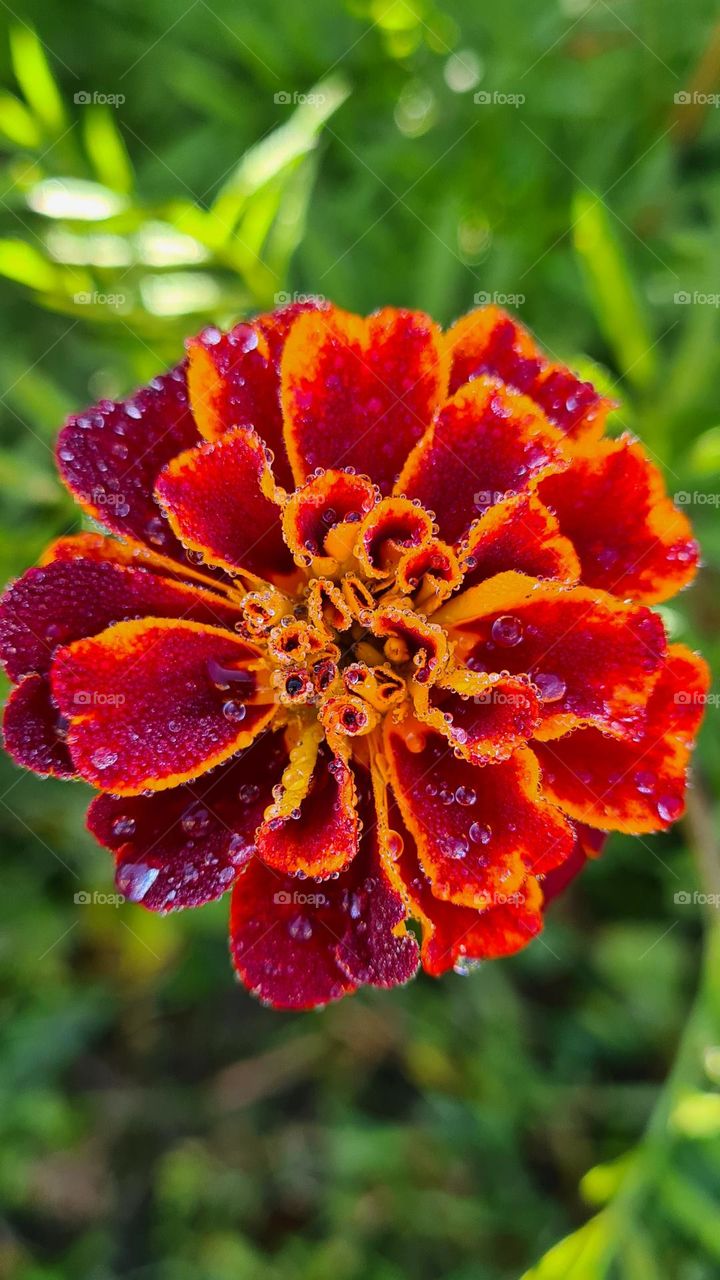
<point>155,1121</point>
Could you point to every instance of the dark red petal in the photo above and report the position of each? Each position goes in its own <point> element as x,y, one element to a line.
<point>67,600</point>
<point>629,536</point>
<point>300,943</point>
<point>33,730</point>
<point>633,786</point>
<point>323,838</point>
<point>156,703</point>
<point>359,392</point>
<point>455,936</point>
<point>479,831</point>
<point>592,658</point>
<point>487,442</point>
<point>185,846</point>
<point>488,341</point>
<point>588,844</point>
<point>219,501</point>
<point>110,457</point>
<point>519,533</point>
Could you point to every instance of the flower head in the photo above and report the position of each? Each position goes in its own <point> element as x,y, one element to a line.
<point>367,641</point>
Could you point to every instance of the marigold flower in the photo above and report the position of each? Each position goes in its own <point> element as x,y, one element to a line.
<point>368,641</point>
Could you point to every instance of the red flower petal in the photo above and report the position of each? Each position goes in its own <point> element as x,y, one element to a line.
<point>219,502</point>
<point>360,392</point>
<point>298,944</point>
<point>486,442</point>
<point>455,935</point>
<point>33,730</point>
<point>488,341</point>
<point>588,844</point>
<point>151,704</point>
<point>68,600</point>
<point>592,657</point>
<point>323,838</point>
<point>110,457</point>
<point>519,533</point>
<point>234,379</point>
<point>183,847</point>
<point>633,786</point>
<point>478,831</point>
<point>629,536</point>
<point>483,718</point>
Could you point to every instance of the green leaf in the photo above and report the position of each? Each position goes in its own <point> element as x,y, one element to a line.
<point>17,123</point>
<point>612,290</point>
<point>577,1257</point>
<point>24,263</point>
<point>33,74</point>
<point>106,149</point>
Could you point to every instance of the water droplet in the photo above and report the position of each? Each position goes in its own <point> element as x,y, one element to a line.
<point>479,834</point>
<point>466,796</point>
<point>234,711</point>
<point>103,758</point>
<point>195,820</point>
<point>455,847</point>
<point>135,879</point>
<point>123,827</point>
<point>552,688</point>
<point>506,631</point>
<point>645,781</point>
<point>669,808</point>
<point>300,928</point>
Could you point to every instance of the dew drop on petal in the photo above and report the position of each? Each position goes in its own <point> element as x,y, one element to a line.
<point>135,879</point>
<point>123,827</point>
<point>300,928</point>
<point>552,688</point>
<point>103,758</point>
<point>506,631</point>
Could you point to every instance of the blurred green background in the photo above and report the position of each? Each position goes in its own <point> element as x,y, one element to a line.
<point>163,163</point>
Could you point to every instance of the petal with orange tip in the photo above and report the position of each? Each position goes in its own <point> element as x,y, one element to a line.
<point>409,639</point>
<point>360,392</point>
<point>486,443</point>
<point>220,502</point>
<point>69,600</point>
<point>630,537</point>
<point>301,943</point>
<point>479,832</point>
<point>633,786</point>
<point>489,341</point>
<point>185,846</point>
<point>519,533</point>
<point>320,519</point>
<point>394,527</point>
<point>431,573</point>
<point>593,659</point>
<point>234,380</point>
<point>320,837</point>
<point>111,455</point>
<point>453,935</point>
<point>484,718</point>
<point>154,704</point>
